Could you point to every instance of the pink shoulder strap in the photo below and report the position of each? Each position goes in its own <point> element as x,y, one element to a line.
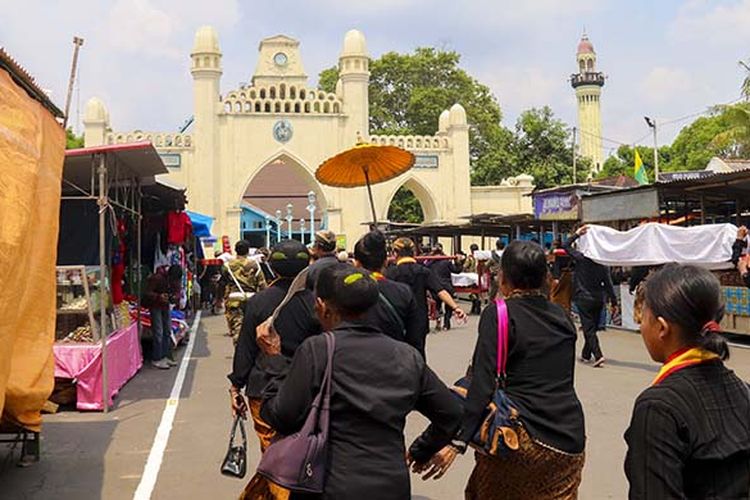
<point>502,336</point>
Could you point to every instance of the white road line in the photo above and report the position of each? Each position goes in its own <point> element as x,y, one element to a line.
<point>155,457</point>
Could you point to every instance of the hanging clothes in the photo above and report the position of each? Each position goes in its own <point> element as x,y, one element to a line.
<point>179,228</point>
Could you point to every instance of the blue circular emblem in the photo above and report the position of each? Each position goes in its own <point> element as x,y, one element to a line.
<point>282,131</point>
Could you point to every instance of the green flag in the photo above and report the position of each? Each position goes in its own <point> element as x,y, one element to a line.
<point>640,171</point>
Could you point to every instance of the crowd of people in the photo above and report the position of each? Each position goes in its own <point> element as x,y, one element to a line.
<point>689,435</point>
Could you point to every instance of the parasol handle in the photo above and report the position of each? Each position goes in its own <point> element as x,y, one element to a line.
<point>366,170</point>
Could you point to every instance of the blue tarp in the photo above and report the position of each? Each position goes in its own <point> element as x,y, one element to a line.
<point>201,224</point>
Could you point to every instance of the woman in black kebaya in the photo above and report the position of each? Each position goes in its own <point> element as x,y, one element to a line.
<point>377,382</point>
<point>689,435</point>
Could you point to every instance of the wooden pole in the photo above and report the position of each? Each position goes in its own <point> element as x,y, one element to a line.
<point>369,193</point>
<point>102,202</point>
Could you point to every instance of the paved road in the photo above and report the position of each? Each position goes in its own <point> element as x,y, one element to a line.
<point>92,456</point>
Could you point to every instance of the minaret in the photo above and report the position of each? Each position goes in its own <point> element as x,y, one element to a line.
<point>95,122</point>
<point>204,176</point>
<point>588,84</point>
<point>354,71</point>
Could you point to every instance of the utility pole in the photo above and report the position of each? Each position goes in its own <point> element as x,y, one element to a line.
<point>77,43</point>
<point>652,123</point>
<point>574,155</point>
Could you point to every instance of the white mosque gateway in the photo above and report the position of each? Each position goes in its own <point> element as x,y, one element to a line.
<point>260,144</point>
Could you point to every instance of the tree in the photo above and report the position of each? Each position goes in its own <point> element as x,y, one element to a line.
<point>405,207</point>
<point>409,91</point>
<point>695,145</point>
<point>623,162</point>
<point>736,138</point>
<point>72,141</point>
<point>543,149</point>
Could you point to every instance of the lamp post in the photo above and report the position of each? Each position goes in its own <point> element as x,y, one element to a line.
<point>268,232</point>
<point>289,219</point>
<point>278,226</point>
<point>652,123</point>
<point>311,209</point>
<point>302,230</point>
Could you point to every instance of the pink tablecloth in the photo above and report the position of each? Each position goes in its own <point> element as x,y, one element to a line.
<point>83,363</point>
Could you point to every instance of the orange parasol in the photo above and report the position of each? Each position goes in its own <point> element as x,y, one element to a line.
<point>363,165</point>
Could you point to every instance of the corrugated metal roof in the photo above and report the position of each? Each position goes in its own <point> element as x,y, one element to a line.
<point>24,79</point>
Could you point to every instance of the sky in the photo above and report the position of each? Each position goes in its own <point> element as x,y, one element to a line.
<point>666,59</point>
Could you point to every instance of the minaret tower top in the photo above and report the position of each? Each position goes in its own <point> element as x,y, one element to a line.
<point>588,83</point>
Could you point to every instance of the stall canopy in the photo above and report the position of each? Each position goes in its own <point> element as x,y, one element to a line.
<point>111,178</point>
<point>201,224</point>
<point>713,197</point>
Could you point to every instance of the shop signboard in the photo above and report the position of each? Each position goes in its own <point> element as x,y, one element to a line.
<point>556,206</point>
<point>618,206</point>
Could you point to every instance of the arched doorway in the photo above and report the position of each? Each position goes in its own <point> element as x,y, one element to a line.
<point>411,202</point>
<point>279,185</point>
<point>405,207</point>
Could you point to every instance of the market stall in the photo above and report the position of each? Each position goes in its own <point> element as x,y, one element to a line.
<point>109,192</point>
<point>684,201</point>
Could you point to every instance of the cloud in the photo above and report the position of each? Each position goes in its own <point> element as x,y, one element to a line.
<point>160,27</point>
<point>714,24</point>
<point>664,84</point>
<point>139,26</point>
<point>521,87</point>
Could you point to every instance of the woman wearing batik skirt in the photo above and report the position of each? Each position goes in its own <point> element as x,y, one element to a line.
<point>540,374</point>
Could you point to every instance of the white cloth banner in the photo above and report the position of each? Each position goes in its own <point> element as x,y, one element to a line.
<point>465,279</point>
<point>652,244</point>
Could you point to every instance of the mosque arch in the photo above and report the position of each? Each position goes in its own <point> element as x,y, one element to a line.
<point>422,193</point>
<point>280,180</point>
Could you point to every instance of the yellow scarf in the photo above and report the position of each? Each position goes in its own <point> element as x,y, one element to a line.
<point>406,260</point>
<point>682,359</point>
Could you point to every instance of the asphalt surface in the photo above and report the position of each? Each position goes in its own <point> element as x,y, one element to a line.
<point>92,455</point>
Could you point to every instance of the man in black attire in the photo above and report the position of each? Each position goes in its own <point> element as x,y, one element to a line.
<point>421,280</point>
<point>324,254</point>
<point>396,312</point>
<point>377,382</point>
<point>592,286</point>
<point>443,269</point>
<point>295,322</point>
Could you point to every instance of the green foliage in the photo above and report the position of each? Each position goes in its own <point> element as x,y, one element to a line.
<point>623,162</point>
<point>736,138</point>
<point>409,91</point>
<point>72,141</point>
<point>327,79</point>
<point>543,149</point>
<point>405,207</point>
<point>696,144</point>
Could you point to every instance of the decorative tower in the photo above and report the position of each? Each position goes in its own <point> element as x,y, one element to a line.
<point>458,130</point>
<point>588,85</point>
<point>204,176</point>
<point>95,122</point>
<point>354,71</point>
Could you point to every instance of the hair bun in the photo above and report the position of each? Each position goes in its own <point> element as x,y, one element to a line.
<point>374,240</point>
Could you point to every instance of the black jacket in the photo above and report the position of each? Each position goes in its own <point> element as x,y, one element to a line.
<point>443,270</point>
<point>399,297</point>
<point>591,281</point>
<point>689,436</point>
<point>421,280</point>
<point>296,322</point>
<point>540,372</point>
<point>377,382</point>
